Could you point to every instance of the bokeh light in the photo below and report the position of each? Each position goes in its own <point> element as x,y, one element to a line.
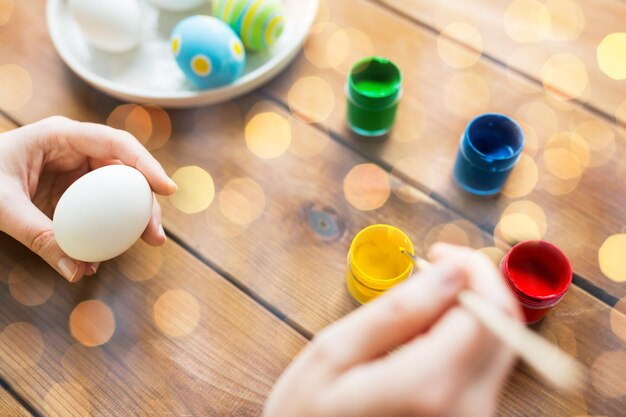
<point>32,283</point>
<point>611,54</point>
<point>21,345</point>
<point>92,323</point>
<point>460,45</point>
<point>150,124</point>
<point>66,396</point>
<point>141,262</point>
<point>600,139</point>
<point>195,189</point>
<point>367,187</point>
<point>566,155</point>
<point>527,20</point>
<point>612,257</point>
<point>77,358</point>
<point>564,160</point>
<point>242,201</point>
<point>176,313</point>
<point>494,254</point>
<point>540,117</point>
<point>426,167</point>
<point>17,87</point>
<point>531,141</point>
<point>607,374</point>
<point>521,220</point>
<point>523,179</point>
<point>345,47</point>
<point>410,123</point>
<point>306,142</point>
<point>567,19</point>
<point>311,99</point>
<point>521,59</point>
<point>618,319</point>
<point>316,47</point>
<point>446,233</point>
<point>268,135</point>
<point>458,232</point>
<point>565,75</point>
<point>466,95</point>
<point>6,9</point>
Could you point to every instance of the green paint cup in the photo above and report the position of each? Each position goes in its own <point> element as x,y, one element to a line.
<point>374,89</point>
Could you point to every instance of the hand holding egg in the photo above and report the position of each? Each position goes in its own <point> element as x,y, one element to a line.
<point>103,212</point>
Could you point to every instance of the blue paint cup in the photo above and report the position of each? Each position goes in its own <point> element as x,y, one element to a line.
<point>490,148</point>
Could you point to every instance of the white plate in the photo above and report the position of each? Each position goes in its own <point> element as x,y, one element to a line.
<point>149,73</point>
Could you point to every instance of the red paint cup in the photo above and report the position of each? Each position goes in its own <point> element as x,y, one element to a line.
<point>539,274</point>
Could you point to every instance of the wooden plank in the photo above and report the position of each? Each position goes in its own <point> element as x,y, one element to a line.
<point>182,340</point>
<point>572,27</point>
<point>422,156</point>
<point>10,407</point>
<point>581,207</point>
<point>293,256</point>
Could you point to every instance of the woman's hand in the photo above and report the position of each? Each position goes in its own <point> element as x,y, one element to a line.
<point>37,164</point>
<point>444,363</point>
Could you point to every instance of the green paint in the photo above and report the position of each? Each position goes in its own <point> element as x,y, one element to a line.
<point>374,88</point>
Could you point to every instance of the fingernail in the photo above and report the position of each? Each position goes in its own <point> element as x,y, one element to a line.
<point>162,232</point>
<point>94,267</point>
<point>172,186</point>
<point>68,269</point>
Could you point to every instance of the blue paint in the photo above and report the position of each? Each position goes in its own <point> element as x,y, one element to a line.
<point>490,148</point>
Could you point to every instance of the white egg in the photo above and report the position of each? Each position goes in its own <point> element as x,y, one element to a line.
<point>103,213</point>
<point>178,5</point>
<point>110,25</point>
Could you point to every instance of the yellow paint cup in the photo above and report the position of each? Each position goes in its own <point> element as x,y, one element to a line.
<point>375,263</point>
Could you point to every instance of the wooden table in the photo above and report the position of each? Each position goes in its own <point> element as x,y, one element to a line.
<point>204,325</point>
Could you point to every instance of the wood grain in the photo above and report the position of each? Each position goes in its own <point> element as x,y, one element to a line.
<point>10,407</point>
<point>293,257</point>
<point>581,212</point>
<point>599,19</point>
<point>423,158</point>
<point>185,341</point>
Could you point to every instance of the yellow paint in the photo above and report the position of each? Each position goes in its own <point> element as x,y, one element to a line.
<point>201,65</point>
<point>375,262</point>
<point>176,45</point>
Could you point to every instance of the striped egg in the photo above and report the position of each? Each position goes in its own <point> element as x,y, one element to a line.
<point>208,51</point>
<point>259,23</point>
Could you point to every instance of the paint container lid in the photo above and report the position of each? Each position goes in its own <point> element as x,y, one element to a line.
<point>538,272</point>
<point>374,82</point>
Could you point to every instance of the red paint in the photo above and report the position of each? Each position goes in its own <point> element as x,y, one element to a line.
<point>539,275</point>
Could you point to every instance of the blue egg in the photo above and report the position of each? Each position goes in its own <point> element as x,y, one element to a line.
<point>208,51</point>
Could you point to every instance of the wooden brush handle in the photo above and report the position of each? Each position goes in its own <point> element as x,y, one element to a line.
<point>556,366</point>
<point>553,364</point>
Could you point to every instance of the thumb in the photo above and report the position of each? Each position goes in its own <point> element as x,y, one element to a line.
<point>27,224</point>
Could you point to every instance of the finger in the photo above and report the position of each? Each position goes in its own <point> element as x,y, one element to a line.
<point>393,318</point>
<point>482,275</point>
<point>92,269</point>
<point>154,234</point>
<point>27,224</point>
<point>424,377</point>
<point>103,142</point>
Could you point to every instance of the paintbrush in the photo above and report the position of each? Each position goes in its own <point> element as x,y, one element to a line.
<point>552,363</point>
